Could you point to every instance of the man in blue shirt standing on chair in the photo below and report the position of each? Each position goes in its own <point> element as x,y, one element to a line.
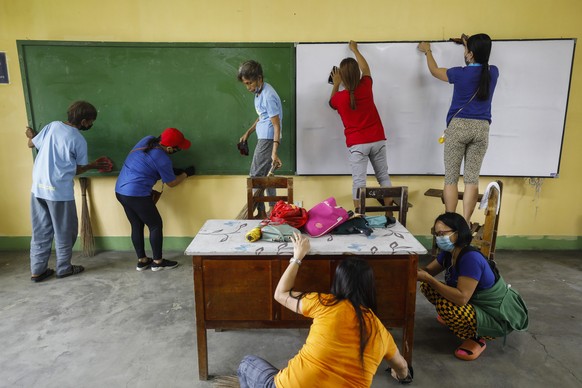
<point>268,125</point>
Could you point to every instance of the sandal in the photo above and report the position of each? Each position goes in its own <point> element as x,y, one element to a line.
<point>75,269</point>
<point>470,349</point>
<point>45,275</point>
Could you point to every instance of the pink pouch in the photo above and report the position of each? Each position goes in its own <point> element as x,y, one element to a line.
<point>325,216</point>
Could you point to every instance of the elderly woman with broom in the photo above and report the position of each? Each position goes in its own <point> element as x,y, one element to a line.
<point>147,162</point>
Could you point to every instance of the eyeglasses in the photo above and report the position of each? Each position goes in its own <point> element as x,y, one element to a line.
<point>444,233</point>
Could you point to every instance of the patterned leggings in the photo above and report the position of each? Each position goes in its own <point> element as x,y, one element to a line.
<point>462,320</point>
<point>465,139</point>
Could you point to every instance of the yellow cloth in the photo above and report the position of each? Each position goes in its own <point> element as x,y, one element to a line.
<point>331,354</point>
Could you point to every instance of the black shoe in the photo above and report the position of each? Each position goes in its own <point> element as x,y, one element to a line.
<point>142,266</point>
<point>165,264</point>
<point>47,274</point>
<point>75,270</point>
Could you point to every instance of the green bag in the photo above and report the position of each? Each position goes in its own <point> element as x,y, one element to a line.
<point>278,232</point>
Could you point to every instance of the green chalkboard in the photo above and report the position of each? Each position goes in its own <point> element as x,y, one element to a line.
<point>141,88</point>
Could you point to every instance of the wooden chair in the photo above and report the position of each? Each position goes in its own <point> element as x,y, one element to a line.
<point>256,190</point>
<point>399,195</point>
<point>484,236</point>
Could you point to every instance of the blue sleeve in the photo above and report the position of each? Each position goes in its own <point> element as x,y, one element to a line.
<point>164,166</point>
<point>453,74</point>
<point>274,106</point>
<point>81,149</point>
<point>475,266</point>
<point>39,138</point>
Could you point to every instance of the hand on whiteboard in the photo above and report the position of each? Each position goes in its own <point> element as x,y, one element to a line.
<point>423,47</point>
<point>461,40</point>
<point>353,46</point>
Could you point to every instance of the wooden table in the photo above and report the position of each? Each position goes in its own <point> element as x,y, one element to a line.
<point>234,280</point>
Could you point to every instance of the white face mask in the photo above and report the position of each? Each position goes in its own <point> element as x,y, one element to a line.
<point>445,243</point>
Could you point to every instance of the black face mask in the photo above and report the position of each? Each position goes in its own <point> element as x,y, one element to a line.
<point>84,128</point>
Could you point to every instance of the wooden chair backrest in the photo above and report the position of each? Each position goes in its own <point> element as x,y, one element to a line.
<point>487,234</point>
<point>256,187</point>
<point>399,195</point>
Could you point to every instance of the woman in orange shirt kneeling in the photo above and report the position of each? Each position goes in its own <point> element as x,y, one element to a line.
<point>346,341</point>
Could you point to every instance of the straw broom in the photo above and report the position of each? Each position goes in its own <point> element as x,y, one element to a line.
<point>226,382</point>
<point>242,215</point>
<point>87,238</point>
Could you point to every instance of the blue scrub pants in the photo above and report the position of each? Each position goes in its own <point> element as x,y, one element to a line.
<point>52,220</point>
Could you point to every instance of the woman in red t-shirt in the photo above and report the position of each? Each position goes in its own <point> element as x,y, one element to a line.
<point>363,128</point>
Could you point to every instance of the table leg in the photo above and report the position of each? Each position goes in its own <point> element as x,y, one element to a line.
<point>201,335</point>
<point>202,351</point>
<point>408,329</point>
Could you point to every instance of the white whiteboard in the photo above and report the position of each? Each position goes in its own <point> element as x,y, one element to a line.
<point>528,111</point>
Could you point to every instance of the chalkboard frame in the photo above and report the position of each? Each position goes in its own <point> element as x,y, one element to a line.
<point>281,74</point>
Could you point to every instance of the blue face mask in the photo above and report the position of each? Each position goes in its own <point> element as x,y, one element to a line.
<point>444,243</point>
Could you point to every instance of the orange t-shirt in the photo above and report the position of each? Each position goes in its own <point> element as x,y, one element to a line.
<point>331,354</point>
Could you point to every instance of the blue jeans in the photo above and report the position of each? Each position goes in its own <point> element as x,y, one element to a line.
<point>254,372</point>
<point>52,219</point>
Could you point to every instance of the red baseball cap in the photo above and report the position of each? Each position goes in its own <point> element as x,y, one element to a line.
<point>174,138</point>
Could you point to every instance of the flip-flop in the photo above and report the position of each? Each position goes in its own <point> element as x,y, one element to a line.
<point>75,269</point>
<point>45,275</point>
<point>470,349</point>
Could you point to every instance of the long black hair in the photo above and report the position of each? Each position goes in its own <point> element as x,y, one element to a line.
<point>354,281</point>
<point>480,46</point>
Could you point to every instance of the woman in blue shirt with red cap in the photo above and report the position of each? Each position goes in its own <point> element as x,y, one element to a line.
<point>147,162</point>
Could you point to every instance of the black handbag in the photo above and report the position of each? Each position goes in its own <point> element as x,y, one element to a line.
<point>354,225</point>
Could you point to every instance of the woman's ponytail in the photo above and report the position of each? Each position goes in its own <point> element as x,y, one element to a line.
<point>480,46</point>
<point>352,100</point>
<point>350,74</point>
<point>153,143</point>
<point>484,81</point>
